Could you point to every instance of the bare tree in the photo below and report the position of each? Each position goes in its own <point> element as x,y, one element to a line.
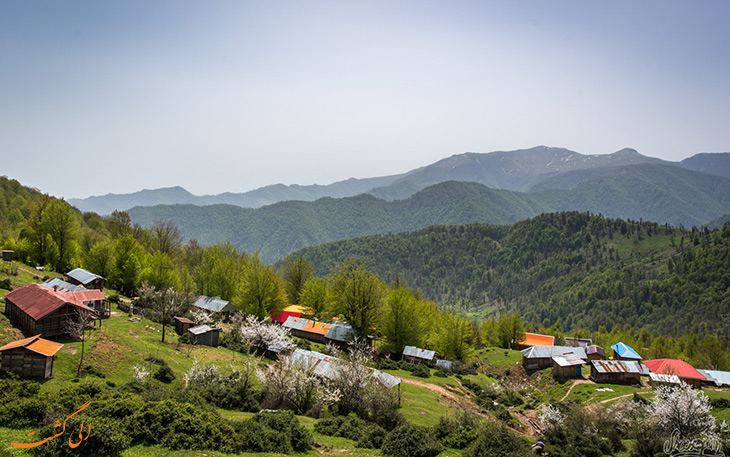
<point>77,329</point>
<point>166,238</point>
<point>165,303</point>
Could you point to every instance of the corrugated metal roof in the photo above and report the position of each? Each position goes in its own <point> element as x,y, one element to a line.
<point>665,378</point>
<point>35,344</point>
<point>38,301</point>
<point>86,295</point>
<point>424,354</point>
<point>546,352</point>
<point>325,366</point>
<point>582,342</point>
<point>675,367</point>
<point>296,323</point>
<point>447,364</point>
<point>569,360</point>
<point>215,304</point>
<point>83,276</point>
<point>320,328</point>
<point>595,350</point>
<point>184,320</point>
<point>201,329</point>
<point>720,378</point>
<point>625,351</point>
<point>621,366</point>
<point>340,332</point>
<point>62,285</point>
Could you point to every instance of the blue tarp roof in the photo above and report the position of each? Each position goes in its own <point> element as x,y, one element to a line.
<point>625,351</point>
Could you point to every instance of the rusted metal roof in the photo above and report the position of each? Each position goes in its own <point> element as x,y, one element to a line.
<point>621,366</point>
<point>35,344</point>
<point>38,301</point>
<point>424,354</point>
<point>86,295</point>
<point>184,320</point>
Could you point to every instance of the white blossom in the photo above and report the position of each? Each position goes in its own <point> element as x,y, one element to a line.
<point>202,373</point>
<point>258,333</point>
<point>551,417</point>
<point>683,409</point>
<point>140,373</point>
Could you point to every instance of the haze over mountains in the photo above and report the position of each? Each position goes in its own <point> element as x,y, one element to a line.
<point>498,188</point>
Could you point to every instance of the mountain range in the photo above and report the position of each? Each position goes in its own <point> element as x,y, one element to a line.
<point>527,170</point>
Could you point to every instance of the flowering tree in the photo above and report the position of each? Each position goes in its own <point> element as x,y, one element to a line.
<point>140,373</point>
<point>350,375</point>
<point>256,332</point>
<point>201,373</point>
<point>551,417</point>
<point>683,409</point>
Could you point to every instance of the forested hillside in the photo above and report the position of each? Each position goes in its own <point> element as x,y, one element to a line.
<point>580,270</point>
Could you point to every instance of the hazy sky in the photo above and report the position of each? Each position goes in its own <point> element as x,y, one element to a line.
<point>117,96</point>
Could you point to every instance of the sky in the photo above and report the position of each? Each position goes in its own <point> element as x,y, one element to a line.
<point>116,96</point>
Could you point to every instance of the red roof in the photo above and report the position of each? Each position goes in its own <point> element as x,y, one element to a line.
<point>35,344</point>
<point>673,366</point>
<point>38,301</point>
<point>85,295</point>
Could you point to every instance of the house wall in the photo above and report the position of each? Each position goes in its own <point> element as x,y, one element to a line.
<point>566,372</point>
<point>595,356</point>
<point>27,364</point>
<point>536,364</point>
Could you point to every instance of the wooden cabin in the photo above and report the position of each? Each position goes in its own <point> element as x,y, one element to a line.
<point>30,357</point>
<point>89,280</point>
<point>567,366</point>
<point>182,324</point>
<point>417,356</point>
<point>539,357</point>
<point>618,371</point>
<point>205,335</point>
<point>594,352</point>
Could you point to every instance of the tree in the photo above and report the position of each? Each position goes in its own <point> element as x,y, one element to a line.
<point>160,272</point>
<point>128,264</point>
<point>509,330</point>
<point>315,296</point>
<point>165,303</point>
<point>219,271</point>
<point>166,238</point>
<point>119,224</point>
<point>261,293</point>
<point>77,329</point>
<point>60,222</point>
<point>357,295</point>
<point>100,259</point>
<point>683,409</point>
<point>295,274</point>
<point>452,337</point>
<point>406,320</point>
<point>256,333</point>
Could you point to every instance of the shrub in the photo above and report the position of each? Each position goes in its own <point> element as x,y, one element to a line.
<point>288,426</point>
<point>5,283</point>
<point>496,439</point>
<point>184,338</point>
<point>109,438</point>
<point>24,412</point>
<point>91,370</point>
<point>154,359</point>
<point>456,431</point>
<point>422,371</point>
<point>371,437</point>
<point>164,374</point>
<point>386,363</point>
<point>251,436</point>
<point>328,426</point>
<point>410,440</point>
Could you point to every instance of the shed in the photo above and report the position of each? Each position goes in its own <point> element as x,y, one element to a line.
<point>292,310</point>
<point>205,335</point>
<point>7,255</point>
<point>683,370</point>
<point>182,324</point>
<point>594,352</point>
<point>326,366</point>
<point>30,357</point>
<point>307,329</point>
<point>715,377</point>
<point>618,371</point>
<point>39,310</point>
<point>79,276</point>
<point>445,364</point>
<point>538,357</point>
<point>582,342</point>
<point>623,351</point>
<point>534,339</point>
<point>216,305</point>
<point>416,356</point>
<point>341,335</point>
<point>567,366</point>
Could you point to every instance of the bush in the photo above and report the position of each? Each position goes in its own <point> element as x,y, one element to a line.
<point>422,371</point>
<point>371,437</point>
<point>251,436</point>
<point>288,426</point>
<point>184,338</point>
<point>5,283</point>
<point>164,374</point>
<point>720,403</point>
<point>24,412</point>
<point>108,438</point>
<point>457,431</point>
<point>410,440</point>
<point>91,370</point>
<point>495,439</point>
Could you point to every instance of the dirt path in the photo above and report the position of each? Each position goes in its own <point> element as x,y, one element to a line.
<point>577,382</point>
<point>615,398</point>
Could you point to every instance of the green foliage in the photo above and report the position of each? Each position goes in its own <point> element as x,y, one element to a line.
<point>422,371</point>
<point>164,374</point>
<point>101,436</point>
<point>407,319</point>
<point>410,440</point>
<point>457,431</point>
<point>452,337</point>
<point>496,440</point>
<point>315,296</point>
<point>295,273</point>
<point>287,425</point>
<point>261,292</point>
<point>357,295</point>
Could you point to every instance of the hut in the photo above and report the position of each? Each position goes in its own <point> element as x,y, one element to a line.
<point>594,352</point>
<point>292,310</point>
<point>307,329</point>
<point>326,366</point>
<point>445,364</point>
<point>618,371</point>
<point>89,280</point>
<point>417,356</point>
<point>529,340</point>
<point>538,357</point>
<point>567,366</point>
<point>217,305</point>
<point>182,324</point>
<point>39,310</point>
<point>204,335</point>
<point>341,335</point>
<point>582,342</point>
<point>7,255</point>
<point>683,370</point>
<point>30,357</point>
<point>623,351</point>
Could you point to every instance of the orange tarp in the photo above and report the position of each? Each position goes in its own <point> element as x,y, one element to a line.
<point>317,327</point>
<point>535,339</point>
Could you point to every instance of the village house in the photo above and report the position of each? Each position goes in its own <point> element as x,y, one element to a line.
<point>534,339</point>
<point>289,311</point>
<point>29,358</point>
<point>715,378</point>
<point>182,324</point>
<point>35,309</point>
<point>582,342</point>
<point>594,352</point>
<point>89,280</point>
<point>679,368</point>
<point>93,298</point>
<point>567,366</point>
<point>325,366</point>
<point>416,356</point>
<point>538,357</point>
<point>205,335</point>
<point>216,305</point>
<point>623,351</point>
<point>336,333</point>
<point>618,371</point>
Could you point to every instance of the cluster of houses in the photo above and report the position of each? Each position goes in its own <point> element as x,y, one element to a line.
<point>624,367</point>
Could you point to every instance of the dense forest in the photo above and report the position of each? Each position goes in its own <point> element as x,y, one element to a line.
<point>577,269</point>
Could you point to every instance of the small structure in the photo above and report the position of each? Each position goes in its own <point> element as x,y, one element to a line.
<point>715,377</point>
<point>663,379</point>
<point>326,367</point>
<point>39,310</point>
<point>567,366</point>
<point>292,310</point>
<point>683,370</point>
<point>59,285</point>
<point>337,333</point>
<point>445,364</point>
<point>594,352</point>
<point>578,342</point>
<point>618,371</point>
<point>182,324</point>
<point>417,356</point>
<point>216,305</point>
<point>7,255</point>
<point>534,339</point>
<point>538,357</point>
<point>622,351</point>
<point>93,298</point>
<point>89,280</point>
<point>30,357</point>
<point>341,335</point>
<point>205,335</point>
